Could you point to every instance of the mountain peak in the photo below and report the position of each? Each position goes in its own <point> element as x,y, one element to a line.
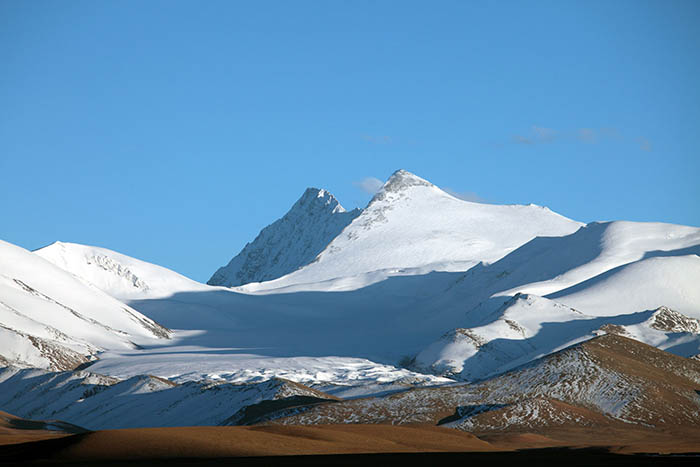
<point>290,242</point>
<point>318,199</point>
<point>402,179</point>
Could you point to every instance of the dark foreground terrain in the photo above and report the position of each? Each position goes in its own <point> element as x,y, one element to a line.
<point>348,445</point>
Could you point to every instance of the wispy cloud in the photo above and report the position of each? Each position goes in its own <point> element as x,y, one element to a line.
<point>611,133</point>
<point>369,185</point>
<point>519,139</point>
<point>544,135</point>
<point>465,195</point>
<point>644,144</point>
<point>587,135</point>
<point>537,135</point>
<point>377,139</point>
<point>387,140</point>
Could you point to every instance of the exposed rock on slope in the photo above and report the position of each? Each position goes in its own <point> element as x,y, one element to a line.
<point>288,243</point>
<point>528,326</point>
<point>612,376</point>
<point>605,381</point>
<point>668,320</point>
<point>24,349</point>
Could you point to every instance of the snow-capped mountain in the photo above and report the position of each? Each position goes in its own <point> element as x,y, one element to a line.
<point>417,289</point>
<point>50,318</point>
<point>412,224</point>
<point>288,243</point>
<point>120,276</point>
<point>419,279</point>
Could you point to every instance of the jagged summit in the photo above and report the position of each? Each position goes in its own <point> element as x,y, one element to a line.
<point>318,199</point>
<point>290,242</point>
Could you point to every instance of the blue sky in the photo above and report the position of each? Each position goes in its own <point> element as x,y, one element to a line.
<point>174,131</point>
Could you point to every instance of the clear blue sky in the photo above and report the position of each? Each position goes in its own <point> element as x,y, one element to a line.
<point>174,131</point>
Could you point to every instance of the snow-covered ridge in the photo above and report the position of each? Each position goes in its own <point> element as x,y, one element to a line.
<point>120,276</point>
<point>50,318</point>
<point>411,223</point>
<point>288,243</point>
<point>528,326</point>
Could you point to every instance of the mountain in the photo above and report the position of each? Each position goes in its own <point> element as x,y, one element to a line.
<point>121,276</point>
<point>528,326</point>
<point>615,376</point>
<point>288,243</point>
<point>412,224</point>
<point>98,402</point>
<point>607,381</point>
<point>602,381</point>
<point>515,291</point>
<point>421,308</point>
<point>51,319</point>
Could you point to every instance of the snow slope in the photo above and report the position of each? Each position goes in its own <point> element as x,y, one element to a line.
<point>549,265</point>
<point>120,276</point>
<point>528,327</point>
<point>643,285</point>
<point>614,273</point>
<point>288,243</point>
<point>52,319</point>
<point>337,375</point>
<point>228,336</point>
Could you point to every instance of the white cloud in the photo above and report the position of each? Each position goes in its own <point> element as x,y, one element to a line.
<point>369,185</point>
<point>644,144</point>
<point>587,135</point>
<point>538,135</point>
<point>465,195</point>
<point>518,139</point>
<point>378,139</point>
<point>544,135</point>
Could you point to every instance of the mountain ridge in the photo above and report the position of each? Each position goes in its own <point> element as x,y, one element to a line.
<point>315,218</point>
<point>411,223</point>
<point>432,273</point>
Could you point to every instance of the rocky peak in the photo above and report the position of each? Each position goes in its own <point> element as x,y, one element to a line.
<point>290,242</point>
<point>315,199</point>
<point>398,182</point>
<point>668,320</point>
